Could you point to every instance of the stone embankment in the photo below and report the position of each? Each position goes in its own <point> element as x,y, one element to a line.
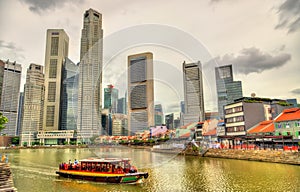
<point>6,181</point>
<point>274,156</point>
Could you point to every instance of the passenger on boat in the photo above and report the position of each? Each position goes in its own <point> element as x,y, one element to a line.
<point>132,169</point>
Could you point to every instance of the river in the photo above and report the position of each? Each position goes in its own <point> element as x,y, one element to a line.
<point>34,171</point>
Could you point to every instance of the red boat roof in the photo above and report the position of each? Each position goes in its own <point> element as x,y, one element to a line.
<point>104,160</point>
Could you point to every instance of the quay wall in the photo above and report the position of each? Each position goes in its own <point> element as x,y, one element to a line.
<point>273,156</point>
<point>6,181</point>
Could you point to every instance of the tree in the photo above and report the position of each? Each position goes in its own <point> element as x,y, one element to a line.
<point>3,121</point>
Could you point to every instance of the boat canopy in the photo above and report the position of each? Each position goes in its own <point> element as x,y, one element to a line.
<point>104,160</point>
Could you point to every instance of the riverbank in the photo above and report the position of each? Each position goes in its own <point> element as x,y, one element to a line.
<point>273,156</point>
<point>6,181</point>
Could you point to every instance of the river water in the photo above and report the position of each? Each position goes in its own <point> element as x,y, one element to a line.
<point>34,171</point>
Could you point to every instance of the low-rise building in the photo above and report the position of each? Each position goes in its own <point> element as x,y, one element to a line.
<point>288,123</point>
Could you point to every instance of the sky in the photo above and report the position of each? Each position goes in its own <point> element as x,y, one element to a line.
<point>260,38</point>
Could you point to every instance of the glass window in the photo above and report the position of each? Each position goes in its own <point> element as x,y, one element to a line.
<point>54,46</point>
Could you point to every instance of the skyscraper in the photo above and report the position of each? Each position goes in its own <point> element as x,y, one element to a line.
<point>227,89</point>
<point>158,114</point>
<point>111,98</point>
<point>140,92</point>
<point>57,45</point>
<point>193,92</point>
<point>2,64</point>
<point>10,96</point>
<point>32,119</point>
<point>69,96</point>
<point>90,77</point>
<point>122,106</point>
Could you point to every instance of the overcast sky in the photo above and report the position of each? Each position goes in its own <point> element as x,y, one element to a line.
<point>259,37</point>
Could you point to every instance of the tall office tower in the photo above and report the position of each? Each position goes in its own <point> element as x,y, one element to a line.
<point>57,45</point>
<point>193,92</point>
<point>182,107</point>
<point>227,89</point>
<point>111,95</point>
<point>69,96</point>
<point>32,118</point>
<point>122,106</point>
<point>2,64</point>
<point>20,113</point>
<point>158,115</point>
<point>10,96</point>
<point>90,77</point>
<point>140,92</point>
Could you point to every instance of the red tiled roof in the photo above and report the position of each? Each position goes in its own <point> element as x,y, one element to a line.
<point>289,114</point>
<point>211,132</point>
<point>186,135</point>
<point>263,127</point>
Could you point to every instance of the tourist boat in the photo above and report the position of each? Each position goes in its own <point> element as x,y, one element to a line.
<point>109,170</point>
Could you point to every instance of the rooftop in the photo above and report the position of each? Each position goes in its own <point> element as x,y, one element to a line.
<point>263,127</point>
<point>289,114</point>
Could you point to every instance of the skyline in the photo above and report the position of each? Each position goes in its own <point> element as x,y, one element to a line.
<point>258,38</point>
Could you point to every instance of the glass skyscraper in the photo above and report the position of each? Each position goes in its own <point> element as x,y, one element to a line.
<point>193,92</point>
<point>90,77</point>
<point>227,89</point>
<point>69,101</point>
<point>111,95</point>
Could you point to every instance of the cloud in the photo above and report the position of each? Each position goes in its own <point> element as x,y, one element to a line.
<point>253,60</point>
<point>9,45</point>
<point>296,91</point>
<point>38,6</point>
<point>9,50</point>
<point>289,15</point>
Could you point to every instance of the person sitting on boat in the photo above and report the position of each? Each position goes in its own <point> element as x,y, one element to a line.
<point>75,162</point>
<point>132,169</point>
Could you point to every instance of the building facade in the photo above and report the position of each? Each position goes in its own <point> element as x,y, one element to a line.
<point>159,115</point>
<point>90,77</point>
<point>57,45</point>
<point>32,118</point>
<point>119,124</point>
<point>227,89</point>
<point>140,92</point>
<point>111,95</point>
<point>10,96</point>
<point>2,65</point>
<point>69,96</point>
<point>122,106</point>
<point>193,92</point>
<point>287,123</point>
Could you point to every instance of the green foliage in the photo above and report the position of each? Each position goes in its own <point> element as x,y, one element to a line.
<point>72,142</point>
<point>15,140</point>
<point>3,121</point>
<point>25,144</point>
<point>284,103</point>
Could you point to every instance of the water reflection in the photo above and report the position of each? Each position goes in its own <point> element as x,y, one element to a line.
<point>34,170</point>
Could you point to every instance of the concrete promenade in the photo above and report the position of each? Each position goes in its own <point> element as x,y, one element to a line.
<point>273,156</point>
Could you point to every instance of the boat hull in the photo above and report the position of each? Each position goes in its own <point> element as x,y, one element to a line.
<point>103,177</point>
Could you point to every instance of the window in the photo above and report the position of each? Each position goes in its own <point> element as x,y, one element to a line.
<point>287,125</point>
<point>278,125</point>
<point>297,124</point>
<point>228,111</point>
<point>51,91</point>
<point>50,116</point>
<point>239,119</point>
<point>52,68</point>
<point>54,46</point>
<point>238,109</point>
